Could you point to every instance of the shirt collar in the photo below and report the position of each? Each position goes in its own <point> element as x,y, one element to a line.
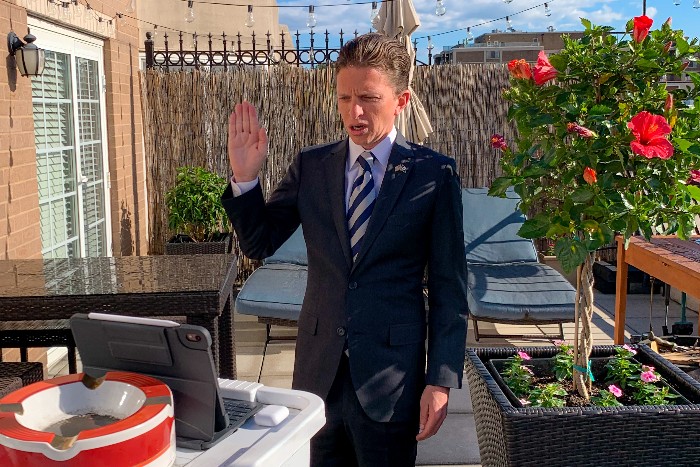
<point>381,151</point>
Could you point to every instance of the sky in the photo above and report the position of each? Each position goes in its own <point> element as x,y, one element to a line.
<point>349,15</point>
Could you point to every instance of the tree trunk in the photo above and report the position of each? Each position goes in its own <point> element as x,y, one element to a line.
<point>583,341</point>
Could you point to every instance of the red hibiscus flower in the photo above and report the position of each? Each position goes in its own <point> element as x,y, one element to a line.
<point>544,71</point>
<point>520,69</point>
<point>642,24</point>
<point>582,131</point>
<point>650,133</point>
<point>590,176</point>
<point>694,178</point>
<point>498,142</point>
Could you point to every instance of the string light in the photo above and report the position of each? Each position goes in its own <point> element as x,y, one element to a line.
<point>311,19</point>
<point>131,8</point>
<point>470,36</point>
<point>250,21</point>
<point>440,8</point>
<point>696,4</point>
<point>78,9</point>
<point>547,10</point>
<point>374,14</point>
<point>189,17</point>
<point>509,25</point>
<point>676,2</point>
<point>430,44</point>
<point>507,1</point>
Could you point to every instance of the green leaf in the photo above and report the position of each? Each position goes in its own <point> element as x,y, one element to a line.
<point>600,110</point>
<point>586,24</point>
<point>499,186</point>
<point>647,64</point>
<point>570,253</point>
<point>694,192</point>
<point>682,46</point>
<point>535,227</point>
<point>582,195</point>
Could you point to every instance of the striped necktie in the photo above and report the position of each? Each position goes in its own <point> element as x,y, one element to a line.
<point>361,202</point>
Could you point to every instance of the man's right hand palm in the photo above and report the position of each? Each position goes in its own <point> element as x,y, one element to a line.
<point>247,143</point>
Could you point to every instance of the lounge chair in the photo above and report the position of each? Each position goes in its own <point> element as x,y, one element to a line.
<point>505,282</point>
<point>275,291</point>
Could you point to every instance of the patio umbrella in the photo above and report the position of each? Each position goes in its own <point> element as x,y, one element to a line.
<point>398,19</point>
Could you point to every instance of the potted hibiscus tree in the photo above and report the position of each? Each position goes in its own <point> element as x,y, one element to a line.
<point>604,147</point>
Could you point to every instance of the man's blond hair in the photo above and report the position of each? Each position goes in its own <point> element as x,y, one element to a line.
<point>378,51</point>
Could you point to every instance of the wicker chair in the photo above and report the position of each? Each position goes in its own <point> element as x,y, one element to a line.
<point>27,372</point>
<point>45,333</point>
<point>505,282</point>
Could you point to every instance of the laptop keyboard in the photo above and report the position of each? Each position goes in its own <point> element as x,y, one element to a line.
<point>239,411</point>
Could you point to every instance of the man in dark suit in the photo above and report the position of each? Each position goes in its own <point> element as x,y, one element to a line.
<point>375,211</point>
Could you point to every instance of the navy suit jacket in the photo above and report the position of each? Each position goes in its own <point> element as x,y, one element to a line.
<point>377,302</point>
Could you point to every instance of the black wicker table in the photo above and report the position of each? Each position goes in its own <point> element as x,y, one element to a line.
<point>198,287</point>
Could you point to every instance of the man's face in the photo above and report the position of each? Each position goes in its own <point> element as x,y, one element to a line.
<point>368,104</point>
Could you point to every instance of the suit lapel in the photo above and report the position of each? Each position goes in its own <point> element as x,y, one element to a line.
<point>334,165</point>
<point>397,171</point>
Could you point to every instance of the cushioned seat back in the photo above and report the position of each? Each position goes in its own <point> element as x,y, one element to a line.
<point>293,251</point>
<point>491,228</point>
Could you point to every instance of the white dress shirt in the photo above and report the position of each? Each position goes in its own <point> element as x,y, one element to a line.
<point>380,153</point>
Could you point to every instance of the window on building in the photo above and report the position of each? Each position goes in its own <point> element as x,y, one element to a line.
<point>70,142</point>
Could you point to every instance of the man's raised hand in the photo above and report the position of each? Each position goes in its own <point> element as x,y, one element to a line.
<point>247,143</point>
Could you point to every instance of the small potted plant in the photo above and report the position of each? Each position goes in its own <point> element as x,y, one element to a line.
<point>195,213</point>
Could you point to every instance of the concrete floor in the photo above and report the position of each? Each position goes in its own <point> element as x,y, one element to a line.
<point>455,443</point>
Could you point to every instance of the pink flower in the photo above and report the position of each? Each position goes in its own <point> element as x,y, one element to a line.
<point>629,349</point>
<point>650,133</point>
<point>642,24</point>
<point>524,402</point>
<point>649,376</point>
<point>614,390</point>
<point>498,142</point>
<point>559,342</point>
<point>524,355</point>
<point>694,178</point>
<point>582,131</point>
<point>544,71</point>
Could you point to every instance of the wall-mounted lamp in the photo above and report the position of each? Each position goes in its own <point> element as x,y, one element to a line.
<point>29,57</point>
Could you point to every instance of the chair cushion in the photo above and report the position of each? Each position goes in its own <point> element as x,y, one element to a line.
<point>491,228</point>
<point>273,291</point>
<point>519,292</point>
<point>293,251</point>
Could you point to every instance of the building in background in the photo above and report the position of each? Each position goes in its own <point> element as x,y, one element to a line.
<point>502,47</point>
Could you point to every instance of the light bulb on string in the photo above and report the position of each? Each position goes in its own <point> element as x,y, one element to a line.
<point>547,10</point>
<point>189,17</point>
<point>100,24</point>
<point>440,8</point>
<point>311,19</point>
<point>66,12</point>
<point>430,44</point>
<point>696,4</point>
<point>470,36</point>
<point>509,25</point>
<point>374,14</point>
<point>77,9</point>
<point>507,1</point>
<point>110,27</point>
<point>154,33</point>
<point>131,7</point>
<point>194,41</point>
<point>250,21</point>
<point>676,2</point>
<point>121,19</point>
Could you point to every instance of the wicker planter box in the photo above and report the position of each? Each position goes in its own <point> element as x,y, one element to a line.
<point>184,245</point>
<point>582,436</point>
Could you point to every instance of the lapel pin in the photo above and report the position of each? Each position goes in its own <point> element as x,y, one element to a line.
<point>401,168</point>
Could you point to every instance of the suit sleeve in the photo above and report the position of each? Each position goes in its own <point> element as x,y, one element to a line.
<point>263,227</point>
<point>447,285</point>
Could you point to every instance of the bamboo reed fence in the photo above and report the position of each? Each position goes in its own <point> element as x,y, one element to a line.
<point>186,116</point>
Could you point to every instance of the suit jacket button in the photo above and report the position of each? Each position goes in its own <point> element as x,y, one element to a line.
<point>352,285</point>
<point>340,331</point>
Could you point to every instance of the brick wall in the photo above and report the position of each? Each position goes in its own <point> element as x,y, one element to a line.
<point>19,200</point>
<point>124,125</point>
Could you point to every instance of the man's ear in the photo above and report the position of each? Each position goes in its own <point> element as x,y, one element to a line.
<point>403,97</point>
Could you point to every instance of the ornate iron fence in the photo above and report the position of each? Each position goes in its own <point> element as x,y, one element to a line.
<point>232,53</point>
